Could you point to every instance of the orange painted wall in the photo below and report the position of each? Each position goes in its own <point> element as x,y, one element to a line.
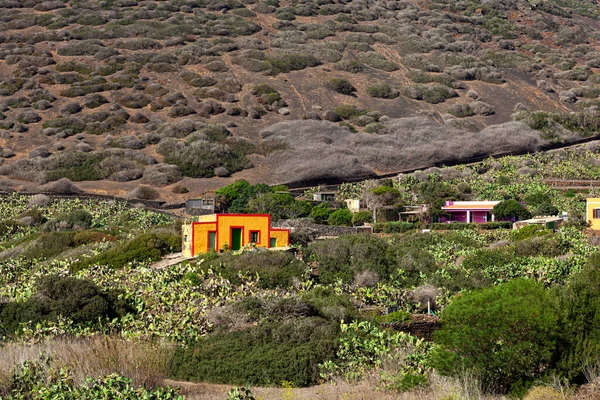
<point>282,236</point>
<point>200,241</point>
<point>198,232</point>
<point>225,222</point>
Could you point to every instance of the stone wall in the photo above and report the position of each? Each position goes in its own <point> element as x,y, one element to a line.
<point>307,227</point>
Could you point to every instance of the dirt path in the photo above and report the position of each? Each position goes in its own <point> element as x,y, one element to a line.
<point>341,390</point>
<point>168,260</point>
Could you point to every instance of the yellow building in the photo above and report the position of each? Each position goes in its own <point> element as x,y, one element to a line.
<point>592,212</point>
<point>218,232</point>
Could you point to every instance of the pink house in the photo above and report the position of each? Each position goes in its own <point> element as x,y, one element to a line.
<point>469,211</point>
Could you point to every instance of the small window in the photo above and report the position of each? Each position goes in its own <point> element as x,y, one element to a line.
<point>596,213</point>
<point>273,242</point>
<point>254,237</point>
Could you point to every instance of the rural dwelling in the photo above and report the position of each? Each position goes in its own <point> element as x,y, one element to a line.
<point>218,232</point>
<point>469,211</point>
<point>592,212</point>
<point>549,222</point>
<point>353,205</point>
<point>324,196</point>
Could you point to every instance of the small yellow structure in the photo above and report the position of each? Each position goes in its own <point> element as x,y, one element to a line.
<point>218,232</point>
<point>592,212</point>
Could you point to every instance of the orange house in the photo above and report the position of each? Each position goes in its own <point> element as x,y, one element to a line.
<point>218,232</point>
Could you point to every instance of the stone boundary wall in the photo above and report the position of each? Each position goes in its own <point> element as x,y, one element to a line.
<point>306,226</point>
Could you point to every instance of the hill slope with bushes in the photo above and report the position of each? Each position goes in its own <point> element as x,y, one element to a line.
<point>172,93</point>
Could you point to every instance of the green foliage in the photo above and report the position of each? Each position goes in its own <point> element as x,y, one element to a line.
<point>240,393</point>
<point>145,247</point>
<point>510,209</point>
<point>76,219</point>
<point>382,90</point>
<point>341,86</point>
<point>362,217</point>
<point>348,111</point>
<point>33,380</point>
<point>343,216</point>
<point>278,205</point>
<point>504,334</point>
<point>344,257</point>
<point>273,268</point>
<point>396,316</point>
<point>363,347</point>
<point>580,332</point>
<point>529,231</point>
<point>398,227</point>
<point>288,343</point>
<point>454,226</point>
<point>79,300</point>
<point>320,214</point>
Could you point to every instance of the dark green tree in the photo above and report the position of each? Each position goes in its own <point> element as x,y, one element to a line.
<point>343,216</point>
<point>504,334</point>
<point>510,210</point>
<point>579,345</point>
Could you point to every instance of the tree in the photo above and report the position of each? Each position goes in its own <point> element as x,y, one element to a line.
<point>510,210</point>
<point>504,334</point>
<point>379,197</point>
<point>320,214</point>
<point>579,345</point>
<point>343,216</point>
<point>546,209</point>
<point>279,205</point>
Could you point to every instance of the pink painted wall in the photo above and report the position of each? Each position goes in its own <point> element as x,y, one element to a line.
<point>479,217</point>
<point>458,216</point>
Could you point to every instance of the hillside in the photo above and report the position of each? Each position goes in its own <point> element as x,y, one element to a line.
<point>194,94</point>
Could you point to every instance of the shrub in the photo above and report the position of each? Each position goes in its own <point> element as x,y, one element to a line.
<point>382,90</point>
<point>480,334</point>
<point>343,216</point>
<point>61,186</point>
<point>398,227</point>
<point>289,351</point>
<point>346,256</point>
<point>510,209</point>
<point>460,110</point>
<point>77,299</point>
<point>143,192</point>
<point>143,248</point>
<point>454,226</point>
<point>275,269</point>
<point>347,111</point>
<point>341,86</point>
<point>76,219</point>
<point>580,335</point>
<point>362,217</point>
<point>320,214</point>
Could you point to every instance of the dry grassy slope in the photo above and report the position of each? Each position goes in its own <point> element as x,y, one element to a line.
<point>303,90</point>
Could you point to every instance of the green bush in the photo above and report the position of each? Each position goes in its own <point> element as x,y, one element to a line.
<point>274,268</point>
<point>77,299</point>
<point>341,86</point>
<point>454,226</point>
<point>76,219</point>
<point>145,247</point>
<point>320,214</point>
<point>528,232</point>
<point>504,334</point>
<point>398,227</point>
<point>343,216</point>
<point>496,225</point>
<point>579,343</point>
<point>382,90</point>
<point>362,217</point>
<point>510,209</point>
<point>347,111</point>
<point>346,256</point>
